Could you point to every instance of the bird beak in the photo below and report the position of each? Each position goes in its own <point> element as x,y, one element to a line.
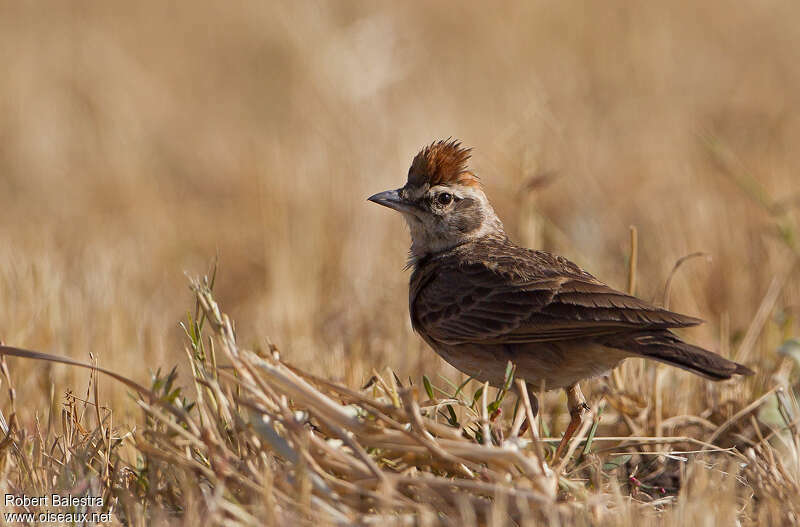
<point>391,199</point>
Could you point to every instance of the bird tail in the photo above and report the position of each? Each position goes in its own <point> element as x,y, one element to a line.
<point>665,346</point>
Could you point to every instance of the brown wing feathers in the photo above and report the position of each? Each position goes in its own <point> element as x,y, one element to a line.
<point>665,346</point>
<point>454,309</point>
<point>503,303</point>
<point>583,300</point>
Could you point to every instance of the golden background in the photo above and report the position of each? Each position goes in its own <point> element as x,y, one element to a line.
<point>140,139</point>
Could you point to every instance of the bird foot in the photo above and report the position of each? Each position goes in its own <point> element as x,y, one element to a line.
<point>577,409</point>
<point>580,410</point>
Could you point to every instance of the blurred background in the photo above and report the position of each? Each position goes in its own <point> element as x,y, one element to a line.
<point>138,140</point>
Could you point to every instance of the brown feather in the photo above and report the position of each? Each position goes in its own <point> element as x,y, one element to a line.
<point>493,291</point>
<point>442,163</point>
<point>481,301</point>
<point>489,301</point>
<point>665,346</point>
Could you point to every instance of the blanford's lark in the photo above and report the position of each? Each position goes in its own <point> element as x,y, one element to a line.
<point>480,301</point>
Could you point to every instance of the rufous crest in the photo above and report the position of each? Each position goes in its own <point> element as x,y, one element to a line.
<point>441,163</point>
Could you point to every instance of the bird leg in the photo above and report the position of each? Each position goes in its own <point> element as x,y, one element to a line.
<point>577,408</point>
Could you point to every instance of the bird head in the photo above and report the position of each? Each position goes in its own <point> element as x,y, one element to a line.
<point>442,200</point>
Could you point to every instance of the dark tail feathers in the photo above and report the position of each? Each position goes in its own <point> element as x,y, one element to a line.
<point>665,346</point>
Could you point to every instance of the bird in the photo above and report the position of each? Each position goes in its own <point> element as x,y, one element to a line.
<point>479,300</point>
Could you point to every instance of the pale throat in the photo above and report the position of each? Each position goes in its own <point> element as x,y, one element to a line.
<point>432,236</point>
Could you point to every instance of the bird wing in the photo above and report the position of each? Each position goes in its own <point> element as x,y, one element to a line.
<point>536,298</point>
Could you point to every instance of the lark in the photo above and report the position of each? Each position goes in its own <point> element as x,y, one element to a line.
<point>479,300</point>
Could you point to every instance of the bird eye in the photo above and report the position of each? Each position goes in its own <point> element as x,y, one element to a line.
<point>444,198</point>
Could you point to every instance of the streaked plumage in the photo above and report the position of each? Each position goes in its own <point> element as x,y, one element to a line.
<point>503,302</point>
<point>479,300</point>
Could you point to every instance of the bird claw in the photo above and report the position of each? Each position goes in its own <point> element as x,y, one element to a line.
<point>579,410</point>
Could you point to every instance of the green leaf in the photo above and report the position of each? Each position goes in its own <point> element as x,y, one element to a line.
<point>477,395</point>
<point>770,414</point>
<point>428,388</point>
<point>477,435</point>
<point>461,387</point>
<point>509,377</point>
<point>592,432</point>
<point>448,382</point>
<point>791,348</point>
<point>453,419</point>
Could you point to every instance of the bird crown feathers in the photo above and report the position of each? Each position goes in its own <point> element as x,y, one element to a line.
<point>442,162</point>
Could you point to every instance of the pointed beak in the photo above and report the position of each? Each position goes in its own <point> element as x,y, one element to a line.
<point>391,199</point>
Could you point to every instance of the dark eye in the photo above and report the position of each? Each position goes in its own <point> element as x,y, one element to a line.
<point>444,198</point>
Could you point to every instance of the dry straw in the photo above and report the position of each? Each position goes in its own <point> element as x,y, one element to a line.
<point>264,442</point>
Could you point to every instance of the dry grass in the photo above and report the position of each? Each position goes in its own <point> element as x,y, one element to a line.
<point>138,140</point>
<point>264,442</point>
